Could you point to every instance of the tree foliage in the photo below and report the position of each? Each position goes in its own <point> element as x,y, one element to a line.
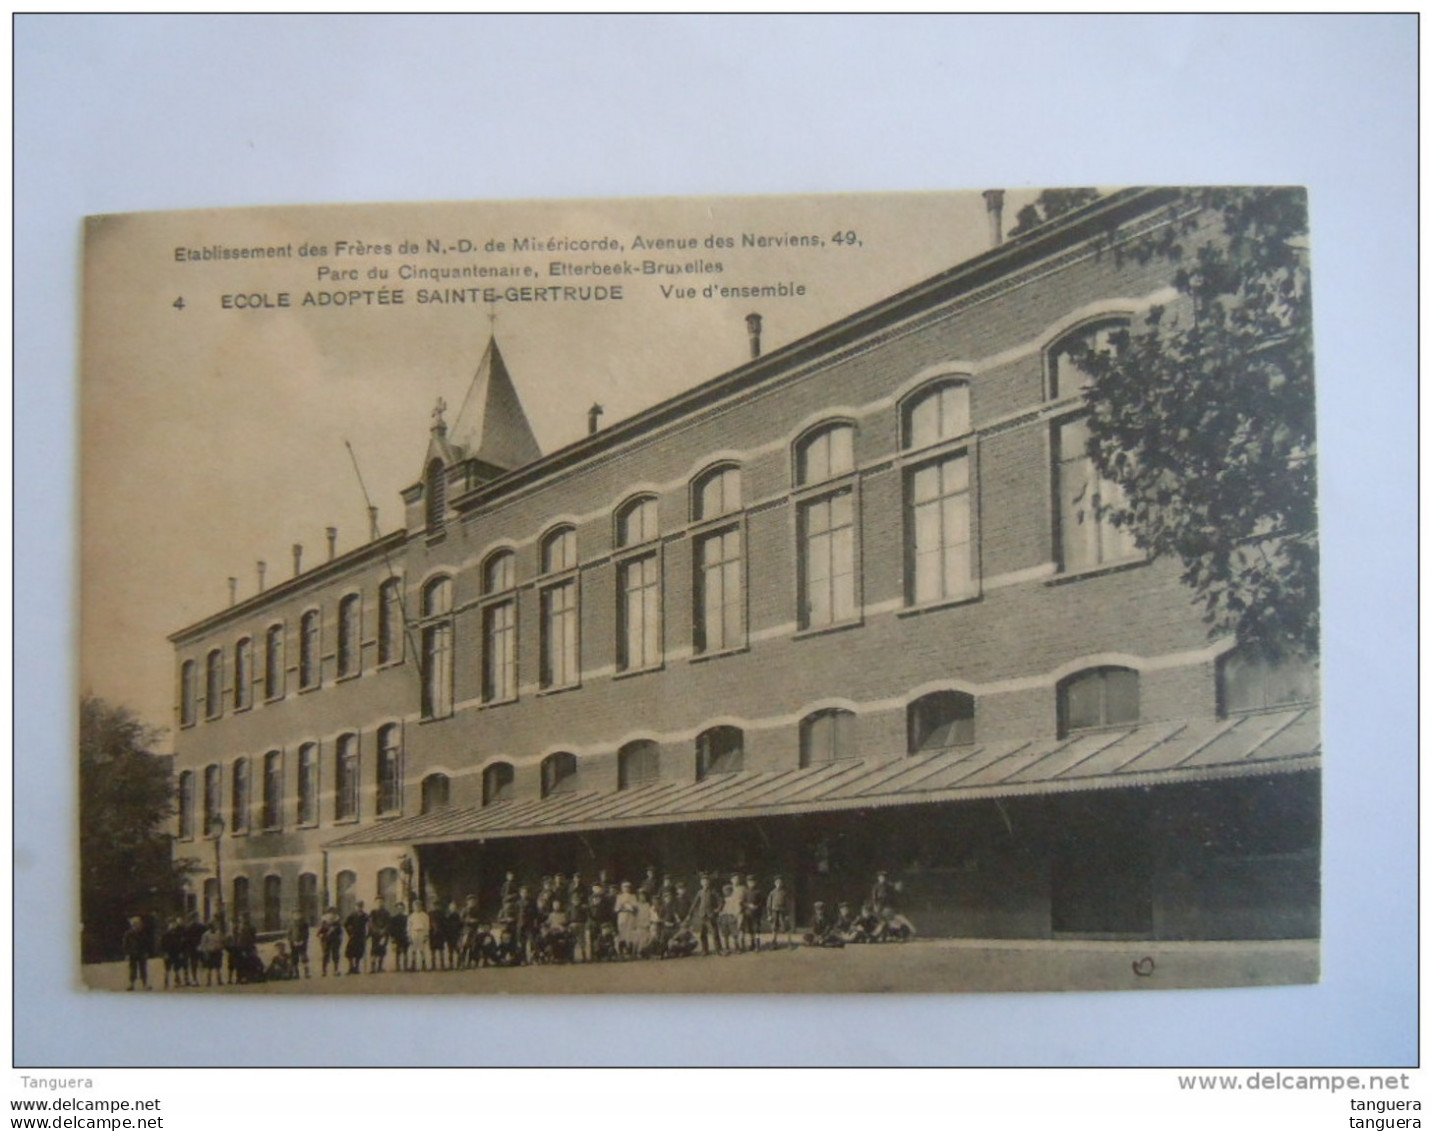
<point>1204,415</point>
<point>126,800</point>
<point>1049,204</point>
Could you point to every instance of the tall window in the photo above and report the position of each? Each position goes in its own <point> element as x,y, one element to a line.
<point>345,783</point>
<point>213,799</point>
<point>437,648</point>
<point>239,801</point>
<point>720,599</point>
<point>1100,697</point>
<point>828,736</point>
<point>350,615</point>
<point>940,560</point>
<point>720,750</point>
<point>435,486</point>
<point>188,693</point>
<point>243,674</point>
<point>273,662</point>
<point>308,897</point>
<point>560,663</point>
<point>242,910</point>
<point>437,793</point>
<point>186,805</point>
<point>346,885</point>
<point>388,886</point>
<point>390,769</point>
<point>637,522</point>
<point>308,783</point>
<point>273,903</point>
<point>559,774</point>
<point>939,721</point>
<point>638,763</point>
<point>212,899</point>
<point>826,528</point>
<point>499,629</point>
<point>214,684</point>
<point>937,412</point>
<point>1249,681</point>
<point>1087,536</point>
<point>390,621</point>
<point>497,782</point>
<point>308,653</point>
<point>273,790</point>
<point>639,612</point>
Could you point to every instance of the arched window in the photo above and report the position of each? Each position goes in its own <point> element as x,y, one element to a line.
<point>825,454</point>
<point>1064,359</point>
<point>437,792</point>
<point>828,736</point>
<point>273,903</point>
<point>308,783</point>
<point>559,550</point>
<point>346,885</point>
<point>638,763</point>
<point>350,615</point>
<point>308,898</point>
<point>188,693</point>
<point>390,621</point>
<point>937,412</point>
<point>213,799</point>
<point>1249,681</point>
<point>242,910</point>
<point>939,721</point>
<point>717,493</point>
<point>559,774</point>
<point>435,492</point>
<point>497,783</point>
<point>388,886</point>
<point>437,649</point>
<point>1099,697</point>
<point>272,811</point>
<point>213,901</point>
<point>939,538</point>
<point>239,797</point>
<point>637,522</point>
<point>273,662</point>
<point>499,574</point>
<point>390,769</point>
<point>186,805</point>
<point>214,684</point>
<point>243,674</point>
<point>720,750</point>
<point>345,784</point>
<point>308,654</point>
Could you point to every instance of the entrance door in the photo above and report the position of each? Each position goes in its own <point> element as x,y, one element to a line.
<point>1101,871</point>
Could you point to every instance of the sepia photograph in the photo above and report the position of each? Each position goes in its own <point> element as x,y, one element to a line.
<point>872,593</point>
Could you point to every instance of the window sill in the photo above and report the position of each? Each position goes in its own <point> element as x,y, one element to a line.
<point>436,718</point>
<point>1064,578</point>
<point>243,709</point>
<point>544,691</point>
<point>632,673</point>
<point>269,700</point>
<point>386,664</point>
<point>391,815</point>
<point>271,829</point>
<point>345,820</point>
<point>189,726</point>
<point>936,606</point>
<point>827,629</point>
<point>304,825</point>
<point>348,677</point>
<point>705,656</point>
<point>435,537</point>
<point>498,703</point>
<point>310,688</point>
<point>1103,728</point>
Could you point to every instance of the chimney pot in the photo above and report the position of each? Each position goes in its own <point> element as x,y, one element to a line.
<point>994,205</point>
<point>262,568</point>
<point>373,523</point>
<point>753,331</point>
<point>233,591</point>
<point>297,558</point>
<point>332,542</point>
<point>593,416</point>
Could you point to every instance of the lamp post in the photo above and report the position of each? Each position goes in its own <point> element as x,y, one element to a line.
<point>216,830</point>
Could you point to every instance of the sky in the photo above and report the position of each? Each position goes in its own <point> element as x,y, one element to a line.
<point>214,434</point>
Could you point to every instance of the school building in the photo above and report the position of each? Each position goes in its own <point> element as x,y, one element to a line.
<point>845,607</point>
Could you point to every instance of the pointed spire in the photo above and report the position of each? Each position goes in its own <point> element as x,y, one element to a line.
<point>491,425</point>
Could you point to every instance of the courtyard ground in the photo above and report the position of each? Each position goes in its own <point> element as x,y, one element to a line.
<point>939,965</point>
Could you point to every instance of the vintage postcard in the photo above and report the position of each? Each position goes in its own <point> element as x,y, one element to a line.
<point>827,593</point>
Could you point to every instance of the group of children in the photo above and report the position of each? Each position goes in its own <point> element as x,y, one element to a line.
<point>559,920</point>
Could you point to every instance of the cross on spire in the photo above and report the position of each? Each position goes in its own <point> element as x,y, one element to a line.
<point>439,424</point>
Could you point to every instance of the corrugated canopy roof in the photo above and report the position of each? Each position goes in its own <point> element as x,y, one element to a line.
<point>1155,754</point>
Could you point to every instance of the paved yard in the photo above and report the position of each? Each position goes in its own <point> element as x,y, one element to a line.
<point>942,965</point>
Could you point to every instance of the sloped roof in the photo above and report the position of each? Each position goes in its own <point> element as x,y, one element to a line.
<point>490,423</point>
<point>1155,754</point>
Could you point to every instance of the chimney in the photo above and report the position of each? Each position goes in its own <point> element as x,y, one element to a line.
<point>594,414</point>
<point>233,591</point>
<point>261,568</point>
<point>297,558</point>
<point>753,331</point>
<point>994,204</point>
<point>332,542</point>
<point>373,523</point>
